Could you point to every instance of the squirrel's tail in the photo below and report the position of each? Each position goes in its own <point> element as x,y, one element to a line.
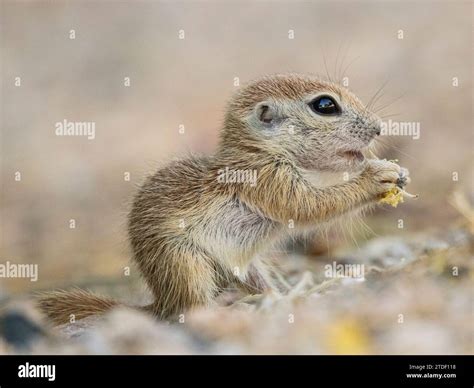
<point>63,306</point>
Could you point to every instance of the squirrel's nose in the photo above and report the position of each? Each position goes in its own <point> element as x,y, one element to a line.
<point>376,129</point>
<point>375,125</point>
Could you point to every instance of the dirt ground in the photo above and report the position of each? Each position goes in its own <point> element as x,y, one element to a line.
<point>415,298</point>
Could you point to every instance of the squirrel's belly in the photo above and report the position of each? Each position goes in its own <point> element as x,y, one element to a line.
<point>235,234</point>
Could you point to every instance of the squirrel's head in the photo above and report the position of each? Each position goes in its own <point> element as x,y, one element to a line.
<point>318,124</point>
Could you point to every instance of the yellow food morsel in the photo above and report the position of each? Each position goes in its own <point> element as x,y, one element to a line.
<point>393,197</point>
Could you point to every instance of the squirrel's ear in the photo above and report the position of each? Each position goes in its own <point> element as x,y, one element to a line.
<point>265,112</point>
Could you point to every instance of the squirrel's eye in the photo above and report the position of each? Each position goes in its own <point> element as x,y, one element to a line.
<point>325,105</point>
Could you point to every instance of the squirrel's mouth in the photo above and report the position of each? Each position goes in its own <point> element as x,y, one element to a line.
<point>353,155</point>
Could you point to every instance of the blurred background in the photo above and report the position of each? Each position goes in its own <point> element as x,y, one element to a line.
<point>174,82</point>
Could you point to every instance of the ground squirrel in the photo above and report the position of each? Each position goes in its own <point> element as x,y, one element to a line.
<point>292,150</point>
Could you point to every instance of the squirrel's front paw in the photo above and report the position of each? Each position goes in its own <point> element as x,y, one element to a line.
<point>381,176</point>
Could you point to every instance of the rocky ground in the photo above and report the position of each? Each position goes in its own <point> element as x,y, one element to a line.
<point>415,298</point>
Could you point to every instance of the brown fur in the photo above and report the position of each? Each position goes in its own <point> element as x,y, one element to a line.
<point>65,306</point>
<point>193,235</point>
